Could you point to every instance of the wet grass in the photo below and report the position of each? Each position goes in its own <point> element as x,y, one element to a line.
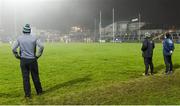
<point>92,74</point>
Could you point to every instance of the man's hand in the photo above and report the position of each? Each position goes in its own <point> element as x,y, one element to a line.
<point>37,57</point>
<point>171,52</point>
<point>17,56</point>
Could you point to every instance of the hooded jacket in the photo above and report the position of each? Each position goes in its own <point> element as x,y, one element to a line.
<point>168,46</point>
<point>147,48</point>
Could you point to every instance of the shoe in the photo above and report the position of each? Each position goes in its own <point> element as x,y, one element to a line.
<point>145,74</point>
<point>27,97</point>
<point>167,73</point>
<point>170,72</point>
<point>40,93</point>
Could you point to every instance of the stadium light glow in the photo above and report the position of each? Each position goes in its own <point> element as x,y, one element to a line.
<point>135,20</point>
<point>17,3</point>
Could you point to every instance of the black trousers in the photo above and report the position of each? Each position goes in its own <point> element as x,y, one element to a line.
<point>148,62</point>
<point>168,63</point>
<point>30,66</point>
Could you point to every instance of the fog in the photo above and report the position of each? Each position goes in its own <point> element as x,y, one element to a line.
<point>43,14</point>
<point>61,15</point>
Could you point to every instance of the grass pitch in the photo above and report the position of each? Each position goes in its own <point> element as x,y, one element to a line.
<point>92,74</point>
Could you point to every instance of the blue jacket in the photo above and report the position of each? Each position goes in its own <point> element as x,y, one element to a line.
<point>168,46</point>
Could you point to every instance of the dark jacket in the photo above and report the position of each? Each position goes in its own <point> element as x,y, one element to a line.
<point>147,48</point>
<point>168,46</point>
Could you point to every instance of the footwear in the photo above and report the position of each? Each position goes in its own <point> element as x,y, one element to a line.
<point>27,97</point>
<point>170,72</point>
<point>167,73</point>
<point>145,74</point>
<point>40,93</point>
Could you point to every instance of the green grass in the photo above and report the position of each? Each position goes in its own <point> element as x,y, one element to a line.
<point>92,74</point>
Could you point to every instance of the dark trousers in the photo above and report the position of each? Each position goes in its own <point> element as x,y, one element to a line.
<point>148,62</point>
<point>168,62</point>
<point>30,66</point>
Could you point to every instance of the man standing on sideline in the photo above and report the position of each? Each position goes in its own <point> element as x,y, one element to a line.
<point>28,59</point>
<point>147,49</point>
<point>168,48</point>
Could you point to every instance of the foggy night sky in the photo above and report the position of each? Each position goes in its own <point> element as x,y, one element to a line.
<point>62,14</point>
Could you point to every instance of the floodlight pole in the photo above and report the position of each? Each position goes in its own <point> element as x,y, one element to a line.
<point>1,17</point>
<point>1,5</point>
<point>139,27</point>
<point>100,28</point>
<point>15,18</point>
<point>113,27</point>
<point>94,29</point>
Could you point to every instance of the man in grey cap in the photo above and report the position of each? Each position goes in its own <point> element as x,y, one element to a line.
<point>28,59</point>
<point>147,49</point>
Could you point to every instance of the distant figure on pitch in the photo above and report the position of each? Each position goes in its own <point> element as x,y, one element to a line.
<point>147,49</point>
<point>27,44</point>
<point>168,48</point>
